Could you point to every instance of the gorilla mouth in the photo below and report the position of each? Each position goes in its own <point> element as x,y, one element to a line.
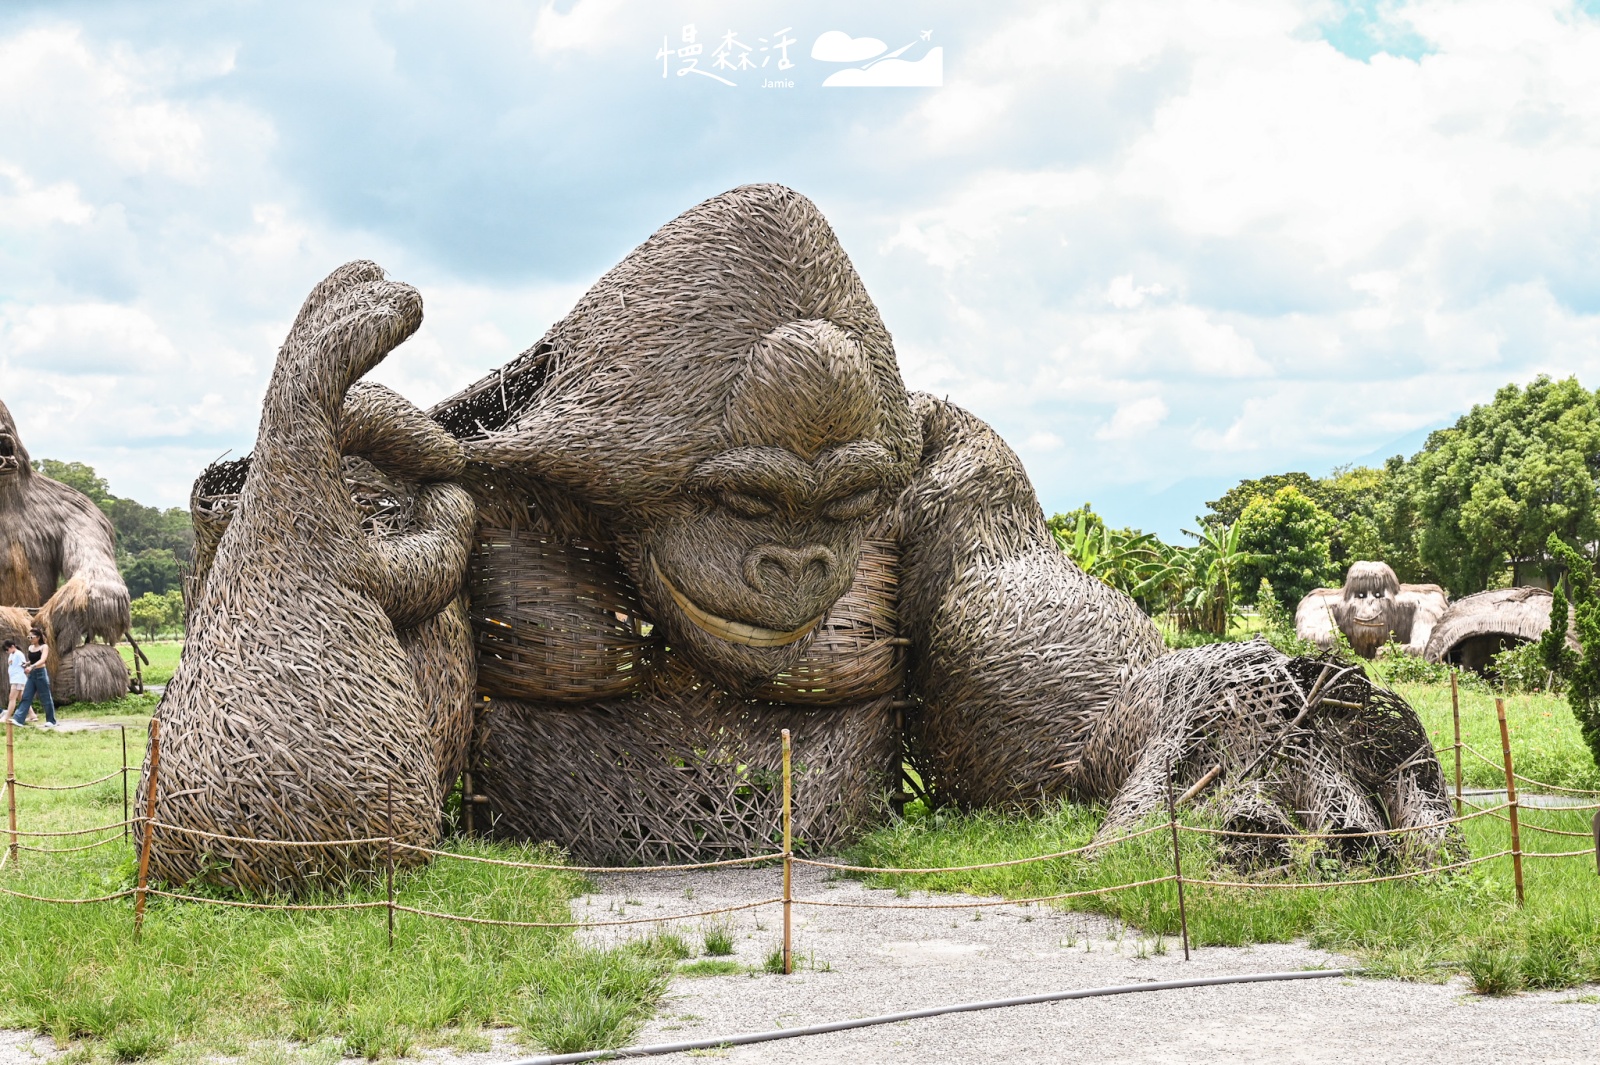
<point>737,632</point>
<point>9,463</point>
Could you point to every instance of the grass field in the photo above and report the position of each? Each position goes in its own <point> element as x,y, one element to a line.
<point>163,656</point>
<point>209,980</point>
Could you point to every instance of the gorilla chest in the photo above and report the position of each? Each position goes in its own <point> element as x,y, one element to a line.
<point>558,621</point>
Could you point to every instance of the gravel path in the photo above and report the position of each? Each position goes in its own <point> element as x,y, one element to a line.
<point>856,963</point>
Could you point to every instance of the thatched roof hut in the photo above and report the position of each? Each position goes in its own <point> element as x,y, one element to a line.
<point>1476,628</point>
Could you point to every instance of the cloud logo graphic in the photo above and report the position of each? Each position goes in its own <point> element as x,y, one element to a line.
<point>836,46</point>
<point>891,73</point>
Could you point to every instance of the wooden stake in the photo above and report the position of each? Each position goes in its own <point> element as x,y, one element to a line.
<point>1177,862</point>
<point>1455,713</point>
<point>788,856</point>
<point>149,829</point>
<point>466,799</point>
<point>11,785</point>
<point>126,828</point>
<point>1511,798</point>
<point>388,802</point>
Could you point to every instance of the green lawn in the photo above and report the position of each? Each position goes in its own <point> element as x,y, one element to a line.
<point>163,656</point>
<point>209,980</point>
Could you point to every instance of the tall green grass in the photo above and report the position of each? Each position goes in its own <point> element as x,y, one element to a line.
<point>215,980</point>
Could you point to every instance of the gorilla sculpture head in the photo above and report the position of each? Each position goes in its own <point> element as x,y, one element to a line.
<point>14,465</point>
<point>730,431</point>
<point>1369,608</point>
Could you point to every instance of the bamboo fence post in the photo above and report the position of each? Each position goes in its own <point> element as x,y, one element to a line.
<point>1177,863</point>
<point>149,830</point>
<point>1511,798</point>
<point>388,803</point>
<point>1597,843</point>
<point>788,856</point>
<point>11,785</point>
<point>1455,713</point>
<point>126,828</point>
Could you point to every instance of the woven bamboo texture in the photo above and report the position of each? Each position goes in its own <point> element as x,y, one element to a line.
<point>683,775</point>
<point>701,509</point>
<point>328,663</point>
<point>1371,608</point>
<point>1275,745</point>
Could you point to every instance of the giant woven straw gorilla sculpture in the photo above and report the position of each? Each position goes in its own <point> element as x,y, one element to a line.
<point>702,509</point>
<point>58,569</point>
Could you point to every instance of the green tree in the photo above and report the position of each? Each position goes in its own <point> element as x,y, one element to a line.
<point>152,570</point>
<point>1290,536</point>
<point>149,613</point>
<point>1504,479</point>
<point>1226,511</point>
<point>1210,586</point>
<point>1580,670</point>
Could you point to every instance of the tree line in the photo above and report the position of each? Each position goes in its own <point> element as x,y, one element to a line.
<point>153,545</point>
<point>1475,508</point>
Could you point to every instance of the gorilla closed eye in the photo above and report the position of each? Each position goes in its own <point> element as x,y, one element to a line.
<point>744,504</point>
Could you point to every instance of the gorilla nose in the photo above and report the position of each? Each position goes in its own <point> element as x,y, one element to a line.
<point>771,568</point>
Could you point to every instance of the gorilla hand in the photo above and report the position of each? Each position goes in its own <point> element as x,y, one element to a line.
<point>327,660</point>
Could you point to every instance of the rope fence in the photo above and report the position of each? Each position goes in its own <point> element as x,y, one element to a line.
<point>1511,811</point>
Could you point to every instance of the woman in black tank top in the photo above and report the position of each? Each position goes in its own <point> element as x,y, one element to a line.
<point>38,683</point>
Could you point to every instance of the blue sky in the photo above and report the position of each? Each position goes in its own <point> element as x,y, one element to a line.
<point>1159,245</point>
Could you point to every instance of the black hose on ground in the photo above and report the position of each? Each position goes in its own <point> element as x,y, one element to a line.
<point>654,1049</point>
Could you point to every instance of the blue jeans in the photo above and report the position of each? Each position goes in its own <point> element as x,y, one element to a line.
<point>38,685</point>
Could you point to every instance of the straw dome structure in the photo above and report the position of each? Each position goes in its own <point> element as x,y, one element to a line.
<point>701,509</point>
<point>1478,627</point>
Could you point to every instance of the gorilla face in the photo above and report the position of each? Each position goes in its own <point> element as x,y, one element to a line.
<point>766,534</point>
<point>1368,611</point>
<point>13,456</point>
<point>769,544</point>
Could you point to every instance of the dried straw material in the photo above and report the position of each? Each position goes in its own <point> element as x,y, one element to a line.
<point>326,666</point>
<point>1477,627</point>
<point>1270,744</point>
<point>91,673</point>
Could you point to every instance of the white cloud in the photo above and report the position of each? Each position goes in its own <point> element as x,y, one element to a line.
<point>586,26</point>
<point>836,46</point>
<point>1133,420</point>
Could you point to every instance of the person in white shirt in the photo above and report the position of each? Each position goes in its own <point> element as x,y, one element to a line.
<point>14,664</point>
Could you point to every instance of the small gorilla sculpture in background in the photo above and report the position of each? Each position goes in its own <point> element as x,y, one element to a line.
<point>702,509</point>
<point>1371,609</point>
<point>59,565</point>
